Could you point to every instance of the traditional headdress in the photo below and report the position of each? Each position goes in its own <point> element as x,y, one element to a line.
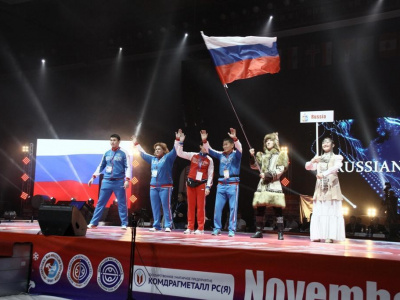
<point>273,136</point>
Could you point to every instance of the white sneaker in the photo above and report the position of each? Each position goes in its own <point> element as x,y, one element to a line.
<point>167,229</point>
<point>188,231</point>
<point>123,227</point>
<point>154,229</point>
<point>199,232</point>
<point>92,226</point>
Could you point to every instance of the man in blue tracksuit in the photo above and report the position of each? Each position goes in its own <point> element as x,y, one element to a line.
<point>116,165</point>
<point>228,182</point>
<point>161,181</point>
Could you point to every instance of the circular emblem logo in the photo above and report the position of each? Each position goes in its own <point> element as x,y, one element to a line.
<point>139,277</point>
<point>80,271</point>
<point>110,274</point>
<point>51,268</point>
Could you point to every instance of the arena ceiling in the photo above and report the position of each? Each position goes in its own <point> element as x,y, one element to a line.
<point>76,31</point>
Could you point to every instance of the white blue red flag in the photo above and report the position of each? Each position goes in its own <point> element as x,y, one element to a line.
<point>243,57</point>
<point>63,167</point>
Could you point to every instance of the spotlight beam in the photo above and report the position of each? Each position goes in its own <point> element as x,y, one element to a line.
<point>177,54</point>
<point>338,24</point>
<point>33,97</point>
<point>51,176</point>
<point>9,182</point>
<point>150,89</point>
<point>13,162</point>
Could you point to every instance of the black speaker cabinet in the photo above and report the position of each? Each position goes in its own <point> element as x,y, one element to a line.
<point>61,220</point>
<point>85,209</point>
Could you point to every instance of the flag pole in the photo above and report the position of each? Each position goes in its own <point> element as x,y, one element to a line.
<point>349,202</point>
<point>250,41</point>
<point>316,139</point>
<point>240,123</point>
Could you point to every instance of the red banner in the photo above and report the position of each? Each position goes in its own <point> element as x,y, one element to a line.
<point>89,268</point>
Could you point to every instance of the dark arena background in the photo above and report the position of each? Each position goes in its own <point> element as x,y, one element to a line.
<point>74,72</point>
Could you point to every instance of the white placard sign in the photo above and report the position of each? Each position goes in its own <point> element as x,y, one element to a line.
<point>316,116</point>
<point>188,283</point>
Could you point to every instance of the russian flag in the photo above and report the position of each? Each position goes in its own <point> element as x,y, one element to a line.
<point>64,167</point>
<point>243,57</point>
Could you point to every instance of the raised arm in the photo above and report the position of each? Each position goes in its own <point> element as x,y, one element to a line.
<point>238,147</point>
<point>236,141</point>
<point>146,157</point>
<point>211,151</point>
<point>206,145</point>
<point>172,154</point>
<point>179,147</point>
<point>204,136</point>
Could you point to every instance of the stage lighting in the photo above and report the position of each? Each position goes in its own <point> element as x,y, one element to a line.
<point>26,160</point>
<point>284,149</point>
<point>53,200</point>
<point>345,211</point>
<point>115,202</point>
<point>133,198</point>
<point>135,163</point>
<point>271,17</point>
<point>73,199</point>
<point>186,34</point>
<point>24,196</point>
<point>43,61</point>
<point>10,215</point>
<point>25,177</point>
<point>371,212</point>
<point>120,49</point>
<point>285,181</point>
<point>134,180</point>
<point>25,149</point>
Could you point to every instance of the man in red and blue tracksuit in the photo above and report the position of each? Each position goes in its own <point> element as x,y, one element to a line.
<point>228,182</point>
<point>161,181</point>
<point>116,165</point>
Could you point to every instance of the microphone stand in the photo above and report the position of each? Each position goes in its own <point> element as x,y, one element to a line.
<point>132,258</point>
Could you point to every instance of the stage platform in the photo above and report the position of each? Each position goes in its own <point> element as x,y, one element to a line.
<point>177,266</point>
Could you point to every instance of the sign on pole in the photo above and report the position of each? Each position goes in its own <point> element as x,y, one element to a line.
<point>316,117</point>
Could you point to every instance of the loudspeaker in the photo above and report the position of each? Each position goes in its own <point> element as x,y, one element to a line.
<point>37,200</point>
<point>61,220</point>
<point>85,209</point>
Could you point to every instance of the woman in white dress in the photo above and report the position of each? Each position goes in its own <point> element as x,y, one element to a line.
<point>327,221</point>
